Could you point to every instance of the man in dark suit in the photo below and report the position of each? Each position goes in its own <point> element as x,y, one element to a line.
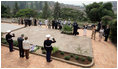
<point>35,22</point>
<point>20,45</point>
<point>99,26</point>
<point>75,26</point>
<point>53,24</point>
<point>26,22</point>
<point>107,32</point>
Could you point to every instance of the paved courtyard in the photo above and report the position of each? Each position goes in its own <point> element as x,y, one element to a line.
<point>74,44</point>
<point>105,56</point>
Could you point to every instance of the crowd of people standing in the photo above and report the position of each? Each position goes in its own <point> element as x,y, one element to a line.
<point>58,24</point>
<point>104,31</point>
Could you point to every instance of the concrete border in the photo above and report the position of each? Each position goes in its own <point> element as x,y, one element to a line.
<point>62,60</point>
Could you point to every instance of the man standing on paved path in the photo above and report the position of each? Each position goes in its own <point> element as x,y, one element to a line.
<point>26,22</point>
<point>35,22</point>
<point>53,24</point>
<point>107,32</point>
<point>10,40</point>
<point>20,45</point>
<point>46,23</point>
<point>48,47</point>
<point>75,26</point>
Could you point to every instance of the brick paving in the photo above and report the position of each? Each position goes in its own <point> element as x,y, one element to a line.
<point>105,53</point>
<point>12,60</point>
<point>105,56</point>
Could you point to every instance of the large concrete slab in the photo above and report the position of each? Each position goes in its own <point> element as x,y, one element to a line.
<point>9,26</point>
<point>74,44</point>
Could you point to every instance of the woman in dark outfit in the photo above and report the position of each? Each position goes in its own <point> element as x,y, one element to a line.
<point>48,47</point>
<point>10,40</point>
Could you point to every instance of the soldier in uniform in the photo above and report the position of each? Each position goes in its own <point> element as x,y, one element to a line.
<point>20,45</point>
<point>10,40</point>
<point>48,47</point>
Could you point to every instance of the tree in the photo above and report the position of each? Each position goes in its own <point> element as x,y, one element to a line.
<point>5,11</point>
<point>56,11</point>
<point>96,11</point>
<point>40,5</point>
<point>69,13</point>
<point>16,8</point>
<point>26,13</point>
<point>46,11</point>
<point>106,20</point>
<point>113,32</point>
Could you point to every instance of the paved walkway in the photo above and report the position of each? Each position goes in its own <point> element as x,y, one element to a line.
<point>12,60</point>
<point>105,56</point>
<point>105,53</point>
<point>9,26</point>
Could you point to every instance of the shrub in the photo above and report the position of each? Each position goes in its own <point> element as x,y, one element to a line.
<point>2,34</point>
<point>15,43</point>
<point>36,48</point>
<point>76,57</point>
<point>89,58</point>
<point>62,53</point>
<point>82,59</point>
<point>3,40</point>
<point>55,49</point>
<point>67,29</point>
<point>42,48</point>
<point>113,31</point>
<point>71,55</point>
<point>43,51</point>
<point>67,57</point>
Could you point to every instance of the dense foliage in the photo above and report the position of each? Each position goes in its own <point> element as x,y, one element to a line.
<point>26,13</point>
<point>113,32</point>
<point>96,11</point>
<point>16,8</point>
<point>46,11</point>
<point>67,29</point>
<point>68,13</point>
<point>106,20</point>
<point>5,11</point>
<point>57,11</point>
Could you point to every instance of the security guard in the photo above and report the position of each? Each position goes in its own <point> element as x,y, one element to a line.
<point>48,47</point>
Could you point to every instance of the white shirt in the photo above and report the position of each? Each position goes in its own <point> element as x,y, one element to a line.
<point>46,22</point>
<point>26,44</point>
<point>64,22</point>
